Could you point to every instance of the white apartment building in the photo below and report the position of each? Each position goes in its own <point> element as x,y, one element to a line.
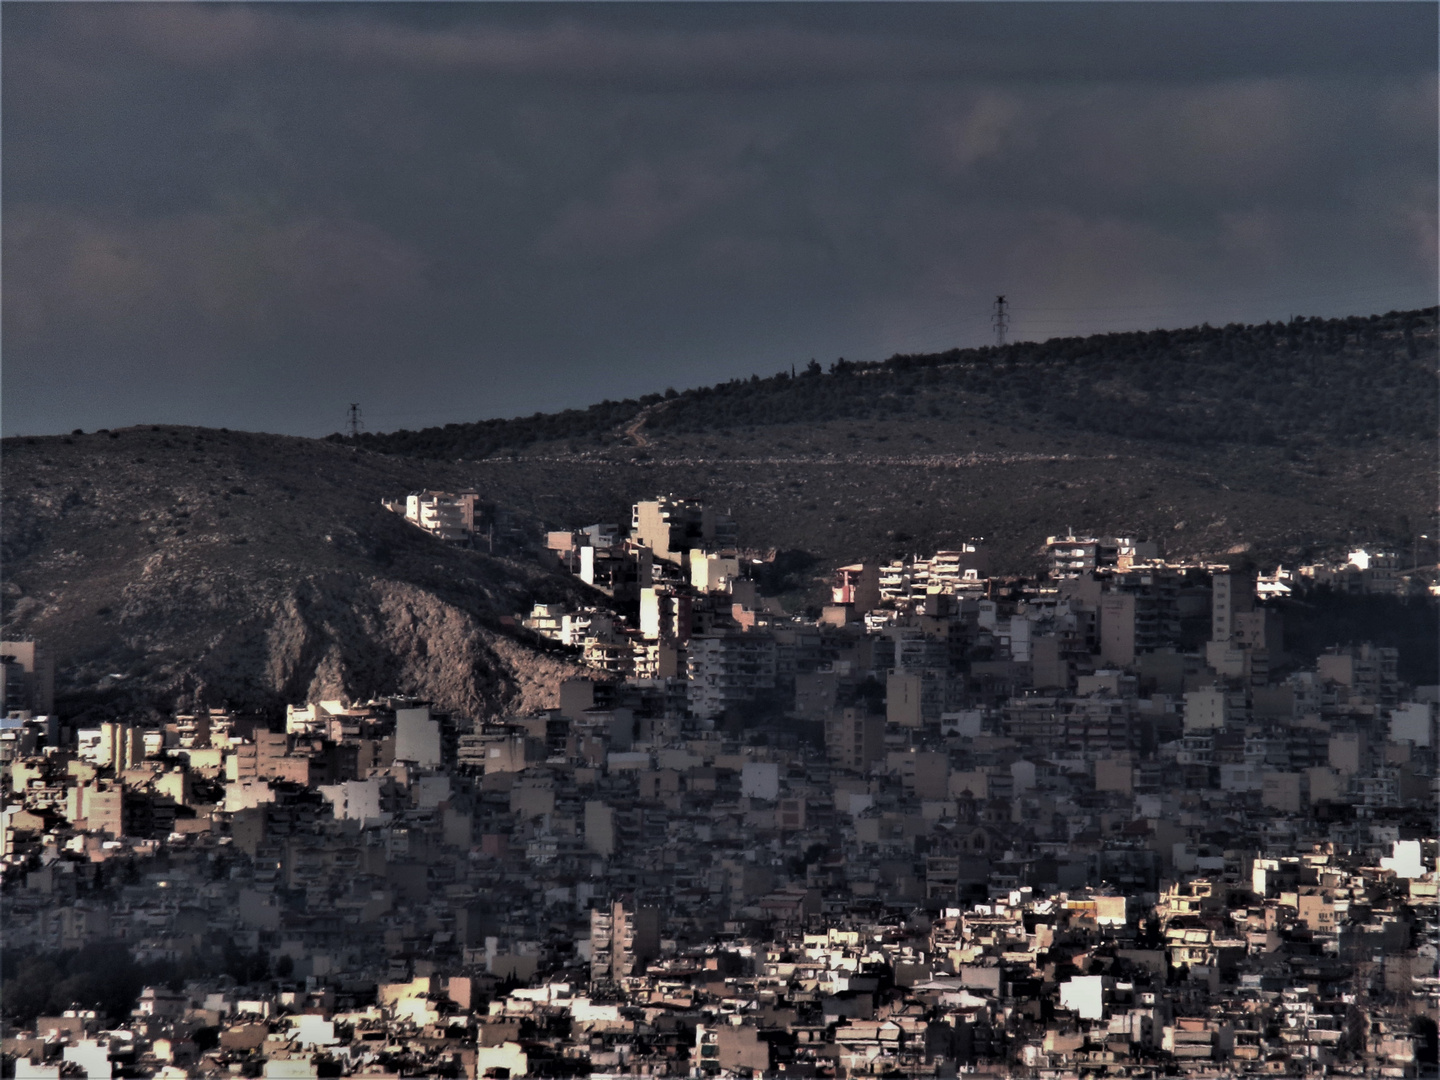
<point>449,516</point>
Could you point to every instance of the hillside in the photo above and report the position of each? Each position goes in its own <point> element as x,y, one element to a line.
<point>222,567</point>
<point>219,567</point>
<point>1292,439</point>
<point>1305,383</point>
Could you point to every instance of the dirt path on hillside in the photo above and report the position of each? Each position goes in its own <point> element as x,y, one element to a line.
<point>633,430</point>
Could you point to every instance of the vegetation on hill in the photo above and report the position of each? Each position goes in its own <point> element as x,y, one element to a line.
<point>1300,383</point>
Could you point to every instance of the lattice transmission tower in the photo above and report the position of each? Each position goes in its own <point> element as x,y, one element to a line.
<point>1000,319</point>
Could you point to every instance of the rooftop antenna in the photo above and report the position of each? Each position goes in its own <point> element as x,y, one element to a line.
<point>1000,319</point>
<point>353,423</point>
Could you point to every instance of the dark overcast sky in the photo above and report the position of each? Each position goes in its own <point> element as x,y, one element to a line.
<point>251,215</point>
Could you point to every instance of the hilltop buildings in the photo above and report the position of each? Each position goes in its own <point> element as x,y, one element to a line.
<point>448,516</point>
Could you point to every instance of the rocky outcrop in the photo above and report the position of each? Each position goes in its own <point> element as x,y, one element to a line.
<point>173,568</point>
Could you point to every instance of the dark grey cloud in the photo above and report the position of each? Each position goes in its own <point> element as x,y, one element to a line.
<point>252,214</point>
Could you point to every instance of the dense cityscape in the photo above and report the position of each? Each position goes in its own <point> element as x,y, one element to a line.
<point>720,541</point>
<point>1094,822</point>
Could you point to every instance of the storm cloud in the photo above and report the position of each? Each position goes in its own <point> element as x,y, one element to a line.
<point>251,215</point>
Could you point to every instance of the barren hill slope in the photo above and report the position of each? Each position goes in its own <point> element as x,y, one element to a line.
<point>840,491</point>
<point>220,567</point>
<point>1285,440</point>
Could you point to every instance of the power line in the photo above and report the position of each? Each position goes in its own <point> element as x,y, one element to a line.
<point>353,423</point>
